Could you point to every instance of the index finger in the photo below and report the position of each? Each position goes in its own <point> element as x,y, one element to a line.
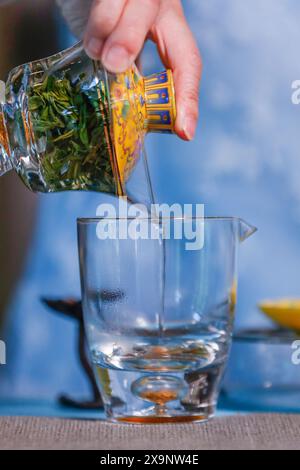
<point>104,17</point>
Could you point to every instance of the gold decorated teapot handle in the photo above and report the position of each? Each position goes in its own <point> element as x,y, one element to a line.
<point>160,102</point>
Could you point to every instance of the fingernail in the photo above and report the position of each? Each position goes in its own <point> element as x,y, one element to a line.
<point>186,124</point>
<point>94,48</point>
<point>117,59</point>
<point>189,128</point>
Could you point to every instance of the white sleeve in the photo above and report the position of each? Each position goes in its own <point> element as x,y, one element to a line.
<point>76,12</point>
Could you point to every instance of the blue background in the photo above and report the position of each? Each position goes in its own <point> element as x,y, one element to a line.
<point>245,161</point>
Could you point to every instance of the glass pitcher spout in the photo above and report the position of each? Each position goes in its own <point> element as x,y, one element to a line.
<point>245,230</point>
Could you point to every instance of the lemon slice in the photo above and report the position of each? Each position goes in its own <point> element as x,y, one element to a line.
<point>285,312</point>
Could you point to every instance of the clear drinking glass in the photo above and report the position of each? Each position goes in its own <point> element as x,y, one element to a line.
<point>159,312</point>
<point>262,374</point>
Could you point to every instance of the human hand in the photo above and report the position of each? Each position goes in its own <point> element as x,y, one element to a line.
<point>115,34</point>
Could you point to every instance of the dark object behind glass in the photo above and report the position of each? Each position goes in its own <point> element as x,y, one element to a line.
<point>28,30</point>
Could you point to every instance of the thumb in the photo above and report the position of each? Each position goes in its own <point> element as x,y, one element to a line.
<point>179,51</point>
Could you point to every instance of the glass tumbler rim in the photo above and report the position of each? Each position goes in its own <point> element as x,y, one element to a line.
<point>92,220</point>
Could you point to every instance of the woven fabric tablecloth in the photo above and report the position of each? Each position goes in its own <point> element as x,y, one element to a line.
<point>234,432</point>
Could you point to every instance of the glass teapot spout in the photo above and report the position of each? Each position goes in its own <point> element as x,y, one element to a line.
<point>245,230</point>
<point>5,161</point>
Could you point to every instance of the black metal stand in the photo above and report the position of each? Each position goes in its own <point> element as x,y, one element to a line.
<point>73,309</point>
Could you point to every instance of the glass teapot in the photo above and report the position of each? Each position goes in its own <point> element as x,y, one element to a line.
<point>68,124</point>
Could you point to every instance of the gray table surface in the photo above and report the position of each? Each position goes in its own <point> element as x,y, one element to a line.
<point>254,432</point>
